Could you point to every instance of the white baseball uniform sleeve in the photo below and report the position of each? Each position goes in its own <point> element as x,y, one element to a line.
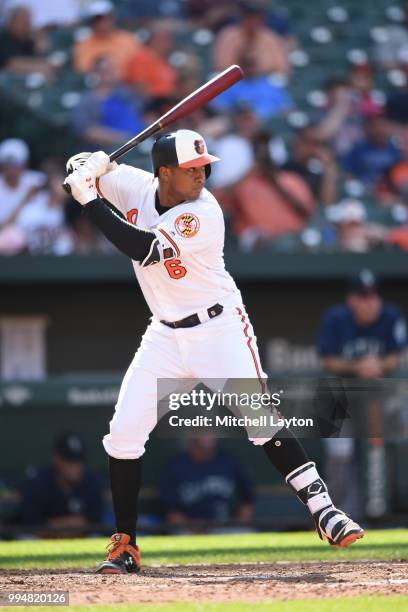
<point>193,277</point>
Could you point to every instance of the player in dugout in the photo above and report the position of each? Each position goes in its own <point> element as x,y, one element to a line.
<point>362,338</point>
<point>65,495</point>
<point>173,229</point>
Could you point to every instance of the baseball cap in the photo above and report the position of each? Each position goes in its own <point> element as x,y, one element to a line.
<point>70,446</point>
<point>98,9</point>
<point>14,151</point>
<point>363,283</point>
<point>183,148</point>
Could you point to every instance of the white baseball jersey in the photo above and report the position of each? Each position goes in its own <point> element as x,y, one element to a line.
<point>194,278</point>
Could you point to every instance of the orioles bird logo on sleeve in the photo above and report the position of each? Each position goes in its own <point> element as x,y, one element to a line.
<point>199,146</point>
<point>187,225</point>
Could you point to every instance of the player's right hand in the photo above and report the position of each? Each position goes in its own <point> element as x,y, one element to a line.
<point>99,164</point>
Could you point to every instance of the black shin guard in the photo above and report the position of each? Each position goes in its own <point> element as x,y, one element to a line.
<point>285,452</point>
<point>125,478</point>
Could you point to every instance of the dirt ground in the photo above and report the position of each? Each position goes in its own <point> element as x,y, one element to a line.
<point>226,582</point>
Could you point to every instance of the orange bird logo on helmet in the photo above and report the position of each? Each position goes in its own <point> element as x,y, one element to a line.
<point>199,146</point>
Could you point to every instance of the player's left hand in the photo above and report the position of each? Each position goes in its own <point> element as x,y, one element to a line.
<point>99,163</point>
<point>83,185</point>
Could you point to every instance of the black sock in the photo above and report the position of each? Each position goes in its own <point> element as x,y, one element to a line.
<point>125,478</point>
<point>285,452</point>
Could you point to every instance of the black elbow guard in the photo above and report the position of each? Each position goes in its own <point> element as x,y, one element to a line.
<point>158,251</point>
<point>153,256</point>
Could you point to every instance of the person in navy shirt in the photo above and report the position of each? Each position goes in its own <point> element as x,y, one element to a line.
<point>364,336</point>
<point>205,483</point>
<point>371,157</point>
<point>65,494</point>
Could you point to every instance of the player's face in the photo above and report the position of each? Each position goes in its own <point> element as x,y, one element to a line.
<point>69,471</point>
<point>365,307</point>
<point>185,183</point>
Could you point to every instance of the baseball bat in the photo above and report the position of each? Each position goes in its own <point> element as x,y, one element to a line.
<point>195,100</point>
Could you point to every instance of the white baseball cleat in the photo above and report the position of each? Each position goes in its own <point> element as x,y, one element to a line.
<point>337,528</point>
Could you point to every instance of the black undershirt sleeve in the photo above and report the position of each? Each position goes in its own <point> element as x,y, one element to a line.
<point>130,240</point>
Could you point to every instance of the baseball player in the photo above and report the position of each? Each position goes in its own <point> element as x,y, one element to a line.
<point>172,228</point>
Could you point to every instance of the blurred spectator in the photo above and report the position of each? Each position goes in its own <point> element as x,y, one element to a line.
<point>279,23</point>
<point>362,338</point>
<point>235,150</point>
<point>371,157</point>
<point>17,183</point>
<point>211,14</point>
<point>353,232</point>
<point>189,77</point>
<point>394,188</point>
<point>19,46</point>
<point>313,160</point>
<point>149,68</point>
<point>363,101</point>
<point>266,95</point>
<point>234,147</point>
<point>86,239</point>
<point>42,219</point>
<point>66,494</point>
<point>251,35</point>
<point>394,41</point>
<point>269,202</point>
<point>108,113</point>
<point>156,107</point>
<point>205,483</point>
<point>105,40</point>
<point>396,108</point>
<point>49,13</point>
<point>339,124</point>
<point>399,237</point>
<point>33,208</point>
<point>215,14</point>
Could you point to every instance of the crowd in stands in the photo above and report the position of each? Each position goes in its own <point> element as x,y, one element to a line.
<point>323,169</point>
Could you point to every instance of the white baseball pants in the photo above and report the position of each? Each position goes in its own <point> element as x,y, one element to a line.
<point>222,348</point>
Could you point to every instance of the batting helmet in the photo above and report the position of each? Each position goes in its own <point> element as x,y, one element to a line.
<point>76,161</point>
<point>183,148</point>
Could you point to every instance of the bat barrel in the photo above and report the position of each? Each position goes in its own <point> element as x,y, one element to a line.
<point>195,100</point>
<point>203,95</point>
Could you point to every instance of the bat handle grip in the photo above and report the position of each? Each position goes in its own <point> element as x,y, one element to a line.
<point>149,131</point>
<point>66,188</point>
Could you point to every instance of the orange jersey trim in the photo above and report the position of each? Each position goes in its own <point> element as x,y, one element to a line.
<point>98,188</point>
<point>257,367</point>
<point>171,241</point>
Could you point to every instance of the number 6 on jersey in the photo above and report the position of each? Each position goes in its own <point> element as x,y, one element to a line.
<point>175,269</point>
